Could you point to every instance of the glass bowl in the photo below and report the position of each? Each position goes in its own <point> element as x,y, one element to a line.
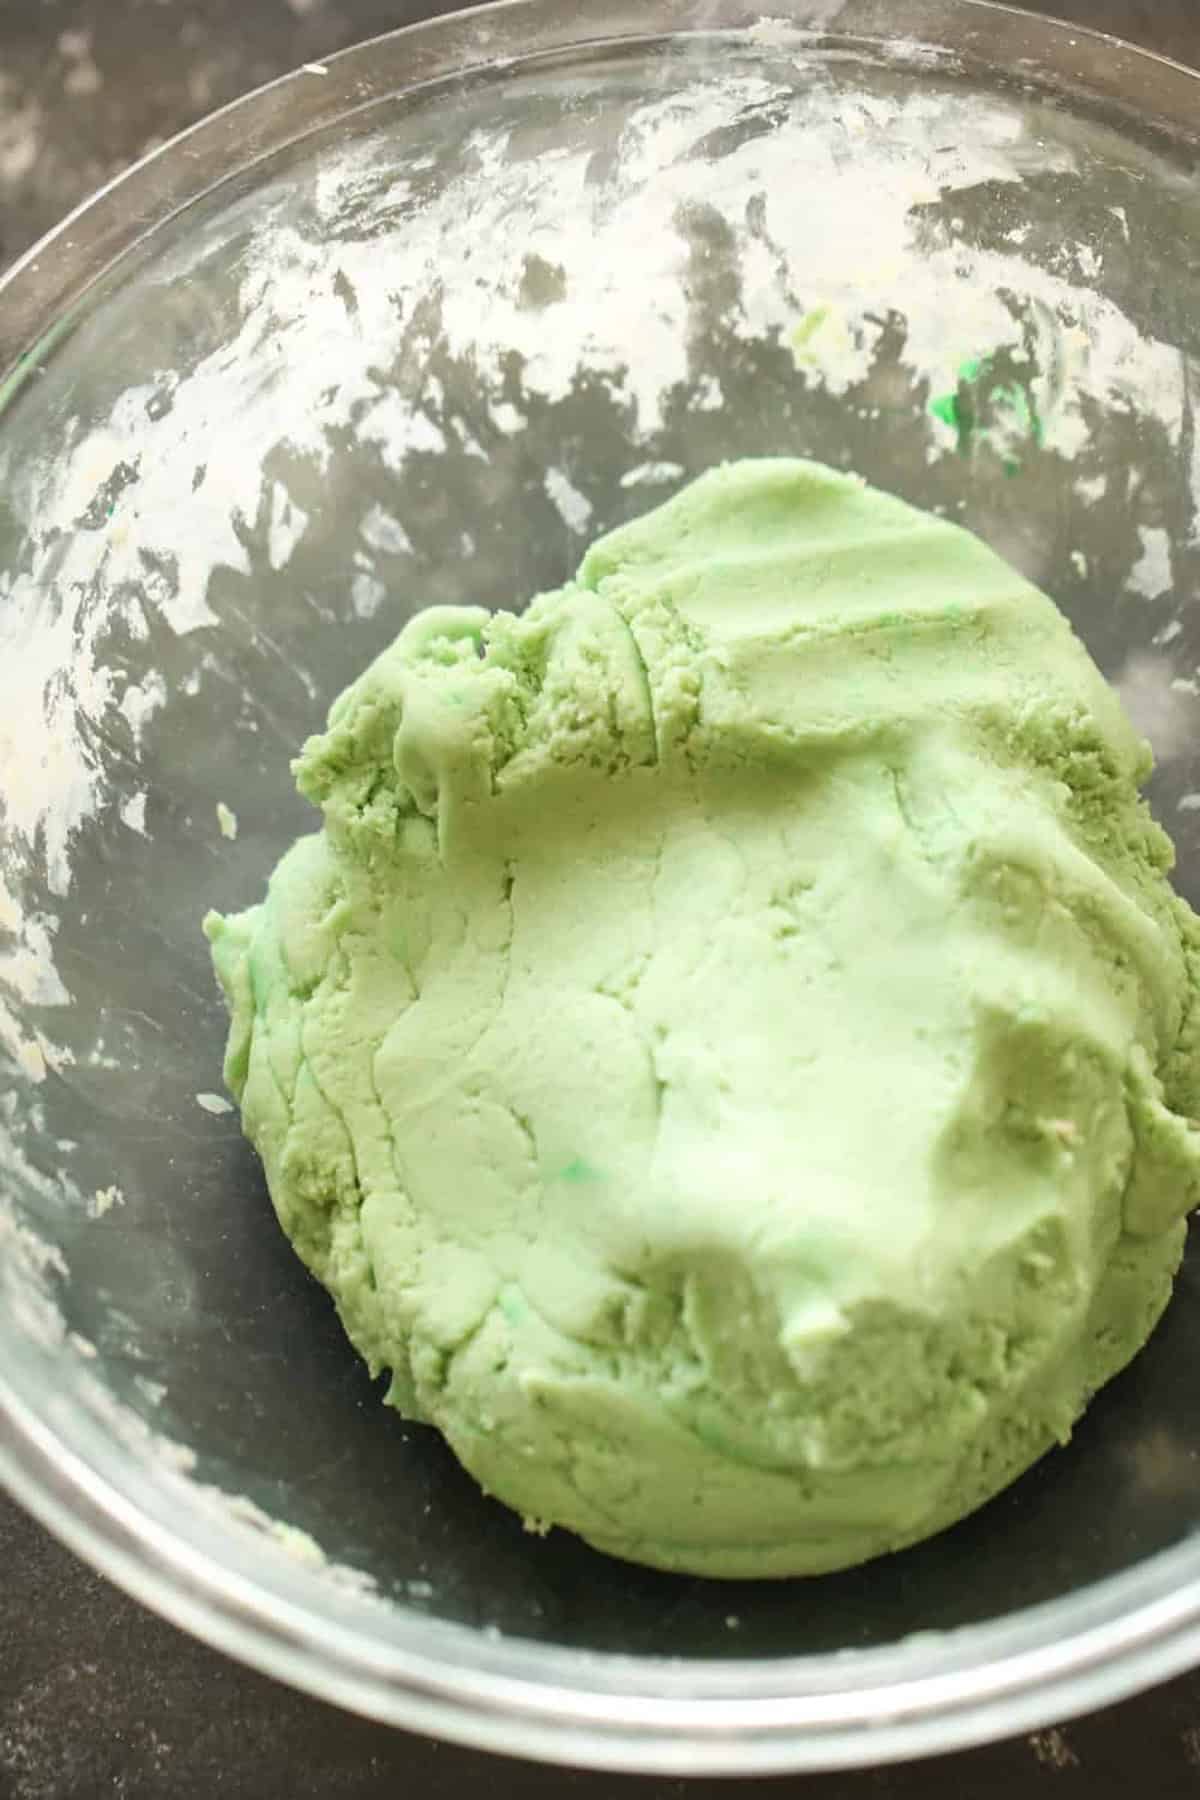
<point>411,327</point>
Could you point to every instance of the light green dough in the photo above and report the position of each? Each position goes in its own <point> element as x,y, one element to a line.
<point>730,1050</point>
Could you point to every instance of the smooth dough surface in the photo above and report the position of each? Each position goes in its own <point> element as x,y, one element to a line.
<point>729,1051</point>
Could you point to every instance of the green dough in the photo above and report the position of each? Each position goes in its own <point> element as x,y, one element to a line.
<point>730,1052</point>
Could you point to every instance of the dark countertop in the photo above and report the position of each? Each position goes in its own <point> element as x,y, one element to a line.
<point>98,1697</point>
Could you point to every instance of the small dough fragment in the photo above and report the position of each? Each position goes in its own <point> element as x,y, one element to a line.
<point>730,1051</point>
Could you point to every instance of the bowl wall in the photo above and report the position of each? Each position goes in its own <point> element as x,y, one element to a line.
<point>424,354</point>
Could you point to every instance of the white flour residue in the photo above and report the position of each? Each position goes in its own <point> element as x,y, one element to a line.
<point>1091,489</point>
<point>835,212</point>
<point>216,1104</point>
<point>367,594</point>
<point>133,812</point>
<point>104,1199</point>
<point>49,776</point>
<point>506,418</point>
<point>285,527</point>
<point>28,1269</point>
<point>1160,1462</point>
<point>708,396</point>
<point>167,1455</point>
<point>296,1545</point>
<point>778,34</point>
<point>1151,574</point>
<point>962,304</point>
<point>27,954</point>
<point>574,508</point>
<point>28,978</point>
<point>28,1265</point>
<point>1161,707</point>
<point>652,474</point>
<point>141,700</point>
<point>398,431</point>
<point>383,532</point>
<point>868,166</point>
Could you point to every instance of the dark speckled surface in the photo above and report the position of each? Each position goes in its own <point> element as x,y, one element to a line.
<point>97,1697</point>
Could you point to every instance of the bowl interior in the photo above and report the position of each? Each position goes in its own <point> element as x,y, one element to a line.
<point>424,355</point>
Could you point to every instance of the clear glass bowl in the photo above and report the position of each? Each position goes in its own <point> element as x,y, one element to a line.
<point>412,328</point>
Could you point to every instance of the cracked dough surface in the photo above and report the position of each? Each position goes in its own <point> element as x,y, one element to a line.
<point>729,1050</point>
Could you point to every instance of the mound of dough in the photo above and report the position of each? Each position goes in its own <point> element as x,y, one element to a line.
<point>729,1050</point>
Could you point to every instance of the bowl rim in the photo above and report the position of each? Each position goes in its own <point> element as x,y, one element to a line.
<point>936,1693</point>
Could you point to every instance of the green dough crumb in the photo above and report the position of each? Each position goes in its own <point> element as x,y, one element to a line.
<point>990,406</point>
<point>729,1051</point>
